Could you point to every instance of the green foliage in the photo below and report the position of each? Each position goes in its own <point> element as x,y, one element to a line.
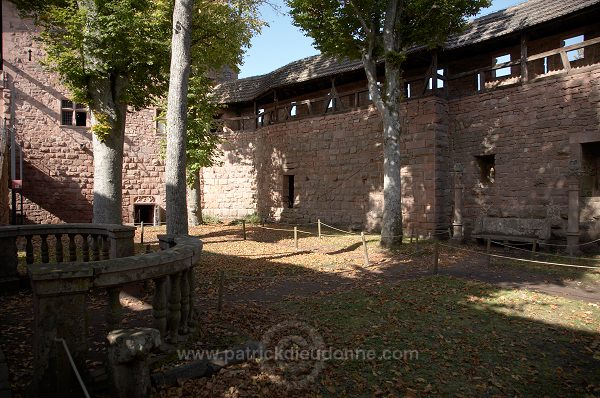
<point>355,27</point>
<point>102,127</point>
<point>90,41</point>
<point>207,219</point>
<point>250,219</point>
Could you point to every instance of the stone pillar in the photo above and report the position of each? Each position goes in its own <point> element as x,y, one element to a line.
<point>9,279</point>
<point>128,351</point>
<point>59,303</point>
<point>121,241</point>
<point>574,176</point>
<point>457,222</point>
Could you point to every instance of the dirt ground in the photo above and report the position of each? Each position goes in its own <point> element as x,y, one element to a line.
<point>256,275</point>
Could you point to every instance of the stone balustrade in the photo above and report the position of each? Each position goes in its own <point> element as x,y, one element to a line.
<point>71,243</point>
<point>60,289</point>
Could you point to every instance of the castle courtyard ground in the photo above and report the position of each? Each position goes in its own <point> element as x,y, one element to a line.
<point>507,328</point>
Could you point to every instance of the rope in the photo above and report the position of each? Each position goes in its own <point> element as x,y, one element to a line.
<point>545,254</point>
<point>518,259</point>
<point>337,229</point>
<point>284,230</point>
<point>64,344</point>
<point>557,245</point>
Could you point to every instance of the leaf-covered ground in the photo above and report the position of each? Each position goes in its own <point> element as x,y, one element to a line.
<point>473,338</point>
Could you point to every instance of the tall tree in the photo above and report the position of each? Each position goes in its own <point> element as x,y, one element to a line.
<point>383,30</point>
<point>221,32</point>
<point>177,118</point>
<point>111,54</point>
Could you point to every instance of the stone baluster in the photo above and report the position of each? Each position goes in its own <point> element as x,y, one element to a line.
<point>59,248</point>
<point>185,303</point>
<point>45,255</point>
<point>105,247</point>
<point>72,248</point>
<point>159,305</point>
<point>29,250</point>
<point>191,320</point>
<point>95,247</point>
<point>114,311</point>
<point>86,248</point>
<point>174,308</point>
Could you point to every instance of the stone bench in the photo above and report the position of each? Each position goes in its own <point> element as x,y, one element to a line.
<point>512,229</point>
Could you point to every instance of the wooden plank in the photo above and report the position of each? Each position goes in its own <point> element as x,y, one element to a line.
<point>572,47</point>
<point>524,70</point>
<point>565,60</point>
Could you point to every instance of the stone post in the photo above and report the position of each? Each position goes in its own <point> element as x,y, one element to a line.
<point>128,351</point>
<point>8,263</point>
<point>457,222</point>
<point>121,242</point>
<point>574,175</point>
<point>59,303</point>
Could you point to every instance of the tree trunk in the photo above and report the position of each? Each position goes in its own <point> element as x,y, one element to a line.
<point>194,203</point>
<point>108,154</point>
<point>391,229</point>
<point>177,118</point>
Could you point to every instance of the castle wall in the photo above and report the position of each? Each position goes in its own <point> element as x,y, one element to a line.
<point>58,166</point>
<point>533,130</point>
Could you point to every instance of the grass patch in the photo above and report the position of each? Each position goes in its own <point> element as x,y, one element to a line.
<point>472,339</point>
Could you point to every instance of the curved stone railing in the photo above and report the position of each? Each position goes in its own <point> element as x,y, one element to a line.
<point>60,290</point>
<point>95,242</point>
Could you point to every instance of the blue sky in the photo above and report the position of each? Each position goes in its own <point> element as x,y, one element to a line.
<point>282,43</point>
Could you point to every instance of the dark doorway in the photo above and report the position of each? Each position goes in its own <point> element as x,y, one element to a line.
<point>288,190</point>
<point>143,213</point>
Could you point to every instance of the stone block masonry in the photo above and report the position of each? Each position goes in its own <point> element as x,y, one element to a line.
<point>58,167</point>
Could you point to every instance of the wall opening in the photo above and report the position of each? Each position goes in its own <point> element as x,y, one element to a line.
<point>487,169</point>
<point>590,164</point>
<point>288,191</point>
<point>502,72</point>
<point>143,212</point>
<point>578,54</point>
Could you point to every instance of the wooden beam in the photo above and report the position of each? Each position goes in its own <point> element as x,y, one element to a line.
<point>565,60</point>
<point>434,72</point>
<point>524,70</point>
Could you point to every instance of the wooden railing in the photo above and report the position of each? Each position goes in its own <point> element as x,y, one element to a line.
<point>426,85</point>
<point>61,289</point>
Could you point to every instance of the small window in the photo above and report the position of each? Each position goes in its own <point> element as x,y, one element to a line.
<point>261,112</point>
<point>293,110</point>
<point>159,121</point>
<point>439,82</point>
<point>574,55</point>
<point>502,72</point>
<point>407,90</point>
<point>288,191</point>
<point>330,104</point>
<point>480,83</point>
<point>72,114</point>
<point>487,169</point>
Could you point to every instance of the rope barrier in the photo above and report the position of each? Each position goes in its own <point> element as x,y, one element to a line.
<point>546,254</point>
<point>517,259</point>
<point>578,245</point>
<point>283,230</point>
<point>337,229</point>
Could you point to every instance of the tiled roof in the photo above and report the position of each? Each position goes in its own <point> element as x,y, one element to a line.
<point>501,23</point>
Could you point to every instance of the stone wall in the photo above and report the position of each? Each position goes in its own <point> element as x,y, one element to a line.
<point>58,167</point>
<point>337,164</point>
<point>229,189</point>
<point>533,130</point>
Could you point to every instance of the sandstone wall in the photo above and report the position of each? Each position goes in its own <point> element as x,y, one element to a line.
<point>229,189</point>
<point>58,167</point>
<point>533,130</point>
<point>337,164</point>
